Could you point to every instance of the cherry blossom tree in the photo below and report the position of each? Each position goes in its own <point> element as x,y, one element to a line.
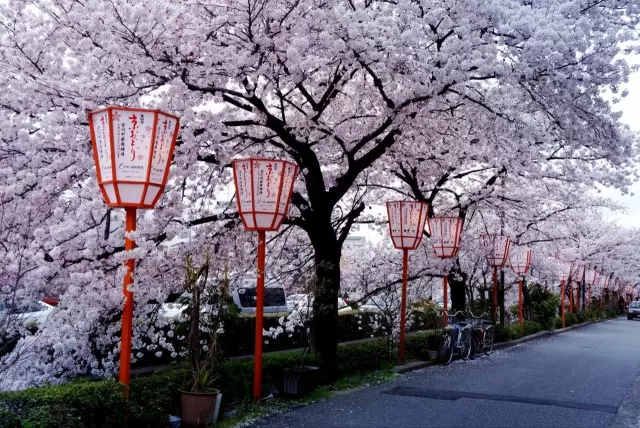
<point>362,95</point>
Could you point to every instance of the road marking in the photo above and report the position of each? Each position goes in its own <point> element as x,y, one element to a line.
<point>442,394</point>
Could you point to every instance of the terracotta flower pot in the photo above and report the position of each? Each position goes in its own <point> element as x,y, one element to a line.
<point>199,409</point>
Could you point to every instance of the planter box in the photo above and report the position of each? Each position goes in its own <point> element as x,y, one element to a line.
<point>199,409</point>
<point>300,381</point>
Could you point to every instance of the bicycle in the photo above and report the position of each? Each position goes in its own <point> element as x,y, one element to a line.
<point>482,334</point>
<point>457,335</point>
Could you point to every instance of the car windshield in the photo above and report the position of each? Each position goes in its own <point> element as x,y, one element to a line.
<point>635,304</point>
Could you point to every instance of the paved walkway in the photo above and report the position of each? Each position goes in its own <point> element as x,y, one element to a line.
<point>578,378</point>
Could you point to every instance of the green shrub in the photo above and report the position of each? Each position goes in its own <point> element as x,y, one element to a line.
<point>152,398</point>
<point>417,345</point>
<point>544,305</point>
<point>71,405</point>
<point>505,333</point>
<point>570,319</point>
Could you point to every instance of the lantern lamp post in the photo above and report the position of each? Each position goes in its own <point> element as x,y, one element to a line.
<point>263,191</point>
<point>445,238</point>
<point>520,261</point>
<point>564,272</point>
<point>496,248</point>
<point>132,151</point>
<point>406,226</point>
<point>576,276</point>
<point>591,278</point>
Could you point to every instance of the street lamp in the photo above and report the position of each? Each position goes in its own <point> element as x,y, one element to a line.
<point>263,191</point>
<point>406,226</point>
<point>445,238</point>
<point>132,151</point>
<point>576,276</point>
<point>520,261</point>
<point>564,272</point>
<point>496,248</point>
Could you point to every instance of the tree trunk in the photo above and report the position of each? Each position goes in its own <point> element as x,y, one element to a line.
<point>325,321</point>
<point>457,283</point>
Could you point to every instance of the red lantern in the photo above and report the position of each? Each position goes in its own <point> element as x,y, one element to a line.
<point>263,192</point>
<point>263,189</point>
<point>406,227</point>
<point>520,261</point>
<point>496,248</point>
<point>564,271</point>
<point>132,151</point>
<point>407,220</point>
<point>445,238</point>
<point>497,251</point>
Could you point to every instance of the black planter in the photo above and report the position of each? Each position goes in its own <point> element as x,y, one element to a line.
<point>300,381</point>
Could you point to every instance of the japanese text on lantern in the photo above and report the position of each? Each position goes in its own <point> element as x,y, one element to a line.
<point>266,179</point>
<point>243,179</point>
<point>132,161</point>
<point>100,125</point>
<point>289,175</point>
<point>165,129</point>
<point>394,218</point>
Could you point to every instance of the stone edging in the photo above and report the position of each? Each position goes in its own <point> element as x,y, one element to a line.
<point>417,365</point>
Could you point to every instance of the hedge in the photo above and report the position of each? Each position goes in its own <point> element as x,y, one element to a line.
<point>152,398</point>
<point>505,333</point>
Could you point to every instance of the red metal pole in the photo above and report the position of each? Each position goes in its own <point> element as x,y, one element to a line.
<point>257,358</point>
<point>520,301</point>
<point>403,307</point>
<point>127,313</point>
<point>446,298</point>
<point>494,309</point>
<point>570,297</point>
<point>562,302</point>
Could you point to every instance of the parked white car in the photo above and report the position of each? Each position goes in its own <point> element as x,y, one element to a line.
<point>307,299</point>
<point>29,314</point>
<point>275,299</point>
<point>379,304</point>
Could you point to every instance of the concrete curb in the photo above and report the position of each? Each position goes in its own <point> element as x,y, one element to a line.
<point>417,365</point>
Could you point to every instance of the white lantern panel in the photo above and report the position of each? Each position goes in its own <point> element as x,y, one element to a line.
<point>279,220</point>
<point>248,220</point>
<point>290,171</point>
<point>111,193</point>
<point>564,270</point>
<point>166,128</point>
<point>132,138</point>
<point>130,193</point>
<point>264,221</point>
<point>393,212</point>
<point>242,171</point>
<point>152,192</point>
<point>266,185</point>
<point>102,148</point>
<point>409,242</point>
<point>397,242</point>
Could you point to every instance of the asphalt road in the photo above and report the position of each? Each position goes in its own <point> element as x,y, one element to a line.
<point>580,378</point>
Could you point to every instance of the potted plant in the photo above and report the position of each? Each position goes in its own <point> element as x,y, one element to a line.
<point>200,400</point>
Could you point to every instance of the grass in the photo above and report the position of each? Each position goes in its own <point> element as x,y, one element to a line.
<point>250,413</point>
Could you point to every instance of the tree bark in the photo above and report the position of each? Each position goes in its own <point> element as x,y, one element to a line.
<point>325,323</point>
<point>457,282</point>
